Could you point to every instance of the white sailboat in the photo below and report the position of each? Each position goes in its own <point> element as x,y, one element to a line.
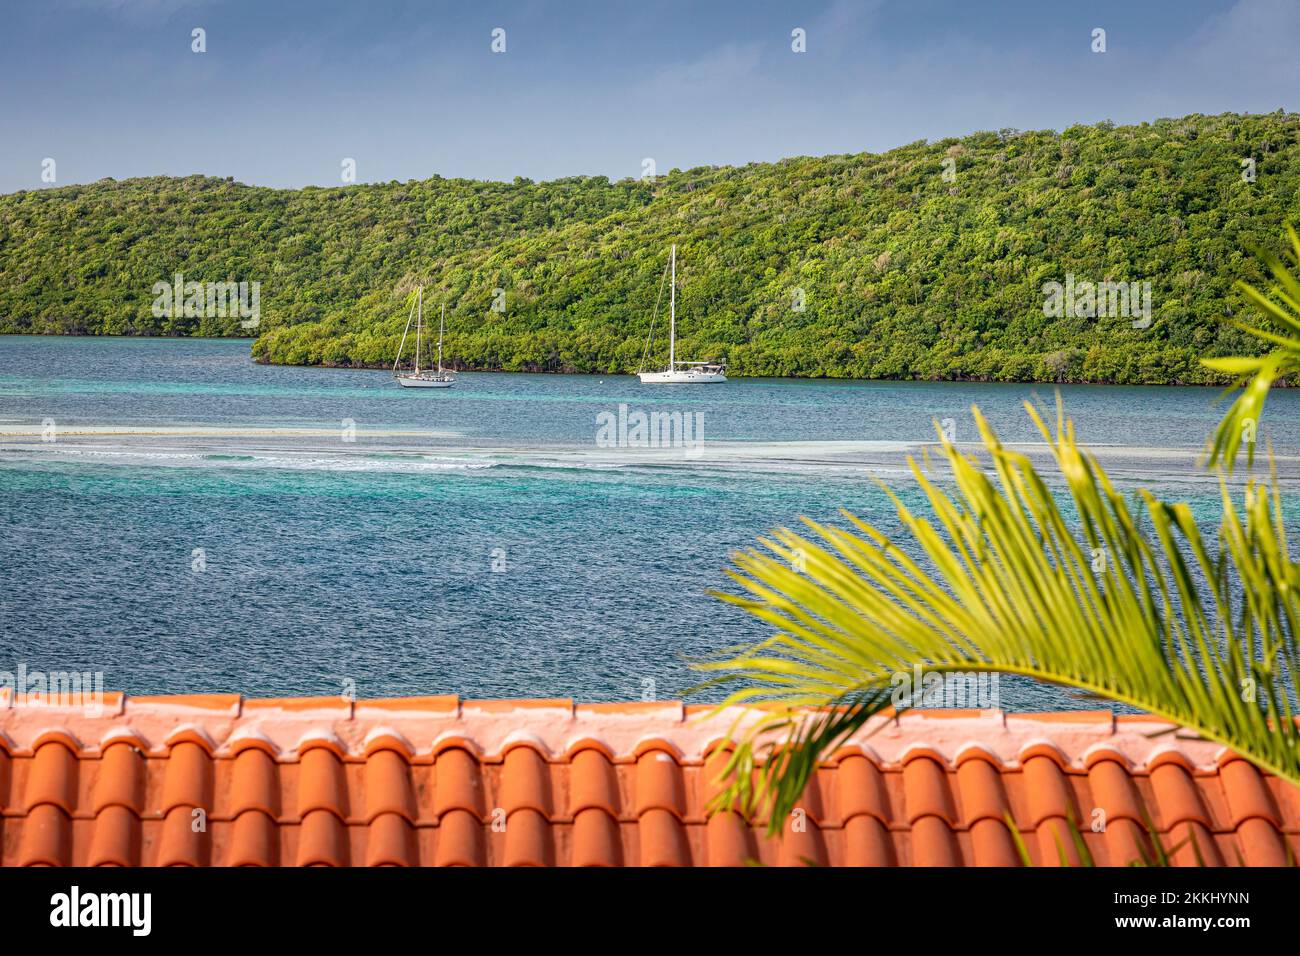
<point>429,378</point>
<point>679,373</point>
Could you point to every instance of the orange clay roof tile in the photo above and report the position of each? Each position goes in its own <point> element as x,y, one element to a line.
<point>991,844</point>
<point>458,784</point>
<point>927,791</point>
<point>322,840</point>
<point>459,840</point>
<point>1113,793</point>
<point>593,784</point>
<point>203,780</point>
<point>1178,796</point>
<point>525,783</point>
<point>659,784</point>
<point>529,840</point>
<point>46,837</point>
<point>52,778</point>
<point>1048,790</point>
<point>867,842</point>
<point>861,790</point>
<point>116,839</point>
<point>253,839</point>
<point>1247,795</point>
<point>933,843</point>
<point>320,784</point>
<point>662,839</point>
<point>982,792</point>
<point>391,841</point>
<point>119,778</point>
<point>253,784</point>
<point>182,841</point>
<point>596,840</point>
<point>388,786</point>
<point>187,780</point>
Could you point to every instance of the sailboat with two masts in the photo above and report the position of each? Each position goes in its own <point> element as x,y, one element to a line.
<point>678,373</point>
<point>427,378</point>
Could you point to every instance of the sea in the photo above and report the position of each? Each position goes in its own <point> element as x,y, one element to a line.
<point>181,519</point>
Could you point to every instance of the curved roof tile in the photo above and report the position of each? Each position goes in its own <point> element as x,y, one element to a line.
<point>217,780</point>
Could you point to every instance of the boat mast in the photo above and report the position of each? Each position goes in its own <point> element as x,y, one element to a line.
<point>672,312</point>
<point>419,322</point>
<point>397,361</point>
<point>442,323</point>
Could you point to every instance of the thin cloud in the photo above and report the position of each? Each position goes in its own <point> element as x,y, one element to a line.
<point>724,68</point>
<point>138,11</point>
<point>1250,46</point>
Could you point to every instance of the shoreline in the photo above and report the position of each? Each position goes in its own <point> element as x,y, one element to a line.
<point>731,375</point>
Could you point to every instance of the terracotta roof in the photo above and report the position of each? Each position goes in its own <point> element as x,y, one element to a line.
<point>220,780</point>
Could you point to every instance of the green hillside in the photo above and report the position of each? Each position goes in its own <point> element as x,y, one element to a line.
<point>903,272</point>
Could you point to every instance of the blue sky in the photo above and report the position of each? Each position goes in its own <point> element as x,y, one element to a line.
<point>287,90</point>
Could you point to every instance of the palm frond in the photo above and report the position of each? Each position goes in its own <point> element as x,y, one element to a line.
<point>1256,376</point>
<point>1004,582</point>
<point>1156,855</point>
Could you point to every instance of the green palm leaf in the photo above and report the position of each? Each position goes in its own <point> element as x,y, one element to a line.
<point>1255,376</point>
<point>1203,637</point>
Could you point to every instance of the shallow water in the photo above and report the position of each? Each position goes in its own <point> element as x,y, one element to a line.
<point>349,529</point>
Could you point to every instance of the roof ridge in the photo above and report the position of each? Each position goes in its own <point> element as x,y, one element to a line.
<point>425,725</point>
<point>443,780</point>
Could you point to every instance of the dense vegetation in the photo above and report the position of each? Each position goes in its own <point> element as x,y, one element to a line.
<point>904,273</point>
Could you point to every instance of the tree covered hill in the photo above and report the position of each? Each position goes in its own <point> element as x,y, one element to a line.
<point>863,266</point>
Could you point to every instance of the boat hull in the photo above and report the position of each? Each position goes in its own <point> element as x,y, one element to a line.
<point>681,377</point>
<point>411,381</point>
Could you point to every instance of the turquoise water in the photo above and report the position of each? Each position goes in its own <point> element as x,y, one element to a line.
<point>371,560</point>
